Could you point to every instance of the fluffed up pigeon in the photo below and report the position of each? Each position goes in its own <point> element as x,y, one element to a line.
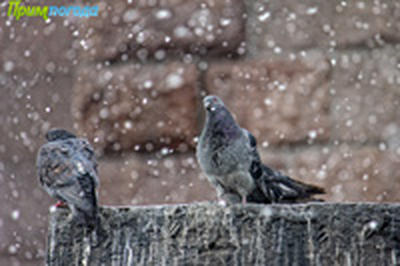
<point>67,170</point>
<point>228,156</point>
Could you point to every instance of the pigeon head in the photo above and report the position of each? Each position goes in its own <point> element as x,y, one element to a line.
<point>59,134</point>
<point>218,117</point>
<point>213,103</point>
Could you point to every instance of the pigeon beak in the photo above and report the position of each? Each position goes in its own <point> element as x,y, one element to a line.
<point>207,105</point>
<point>211,104</point>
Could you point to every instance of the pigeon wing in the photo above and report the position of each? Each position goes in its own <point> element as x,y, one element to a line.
<point>67,175</point>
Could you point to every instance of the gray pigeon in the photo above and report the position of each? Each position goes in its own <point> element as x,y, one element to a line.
<point>67,170</point>
<point>228,155</point>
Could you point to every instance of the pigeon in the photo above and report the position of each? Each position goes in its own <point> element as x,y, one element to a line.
<point>67,170</point>
<point>228,156</point>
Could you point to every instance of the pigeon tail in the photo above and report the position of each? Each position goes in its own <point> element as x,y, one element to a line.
<point>89,219</point>
<point>91,223</point>
<point>274,187</point>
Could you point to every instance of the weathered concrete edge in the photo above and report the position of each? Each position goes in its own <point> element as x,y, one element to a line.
<point>314,234</point>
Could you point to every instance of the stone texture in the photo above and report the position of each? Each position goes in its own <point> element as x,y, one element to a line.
<point>152,179</point>
<point>204,234</point>
<point>281,26</point>
<point>36,62</point>
<point>366,95</point>
<point>278,101</point>
<point>23,116</point>
<point>348,172</point>
<point>137,107</point>
<point>22,45</point>
<point>152,28</point>
<point>38,59</point>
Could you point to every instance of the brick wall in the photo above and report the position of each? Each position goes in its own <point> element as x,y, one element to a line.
<point>317,84</point>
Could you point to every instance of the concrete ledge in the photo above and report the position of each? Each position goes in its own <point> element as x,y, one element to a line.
<point>208,234</point>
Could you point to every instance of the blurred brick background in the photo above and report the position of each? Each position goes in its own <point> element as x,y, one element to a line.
<point>318,83</point>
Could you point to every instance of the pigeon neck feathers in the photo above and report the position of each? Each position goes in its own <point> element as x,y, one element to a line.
<point>221,123</point>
